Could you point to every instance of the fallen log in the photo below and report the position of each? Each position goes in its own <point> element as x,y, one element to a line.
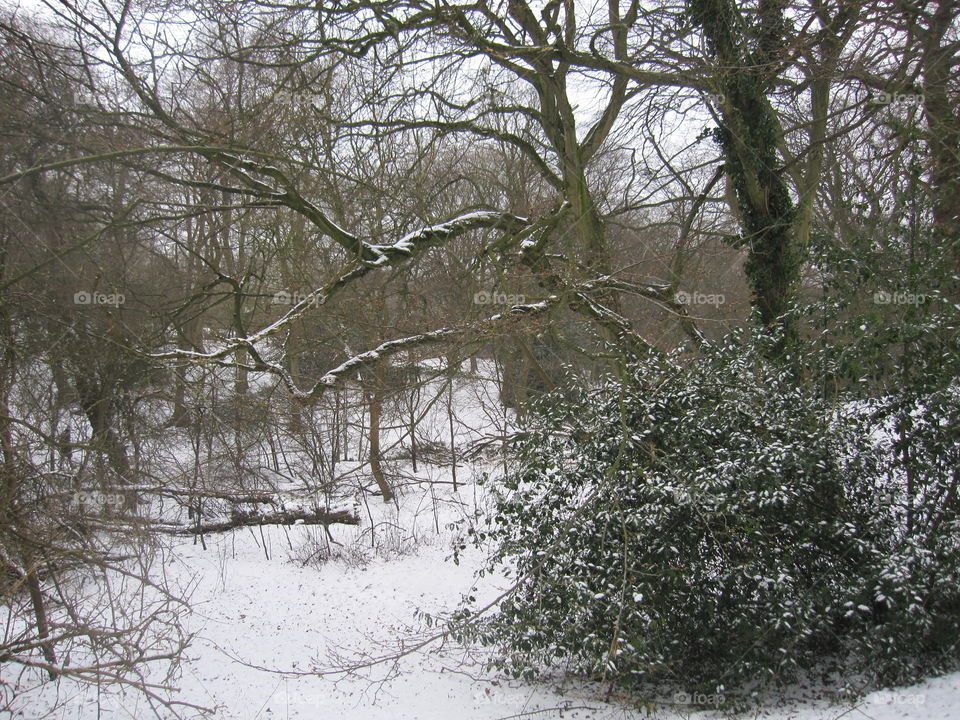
<point>240,519</point>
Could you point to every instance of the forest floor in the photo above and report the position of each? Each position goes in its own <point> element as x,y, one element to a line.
<point>267,628</point>
<point>281,632</point>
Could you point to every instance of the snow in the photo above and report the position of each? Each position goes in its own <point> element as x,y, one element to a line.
<point>933,699</point>
<point>408,244</point>
<point>251,613</point>
<point>273,635</point>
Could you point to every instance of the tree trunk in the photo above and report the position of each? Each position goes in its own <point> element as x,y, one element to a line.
<point>413,434</point>
<point>40,614</point>
<point>241,381</point>
<point>375,401</point>
<point>452,370</point>
<point>749,136</point>
<point>254,519</point>
<point>939,60</point>
<point>181,413</point>
<point>98,407</point>
<point>293,367</point>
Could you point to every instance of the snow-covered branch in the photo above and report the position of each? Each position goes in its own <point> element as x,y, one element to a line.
<point>380,256</point>
<point>472,331</point>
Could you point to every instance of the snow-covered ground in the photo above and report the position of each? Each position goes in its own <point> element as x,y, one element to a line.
<point>275,637</point>
<point>264,628</point>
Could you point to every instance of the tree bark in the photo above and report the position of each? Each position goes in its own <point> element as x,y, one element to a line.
<point>283,517</point>
<point>749,135</point>
<point>940,111</point>
<point>375,401</point>
<point>98,407</point>
<point>40,614</point>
